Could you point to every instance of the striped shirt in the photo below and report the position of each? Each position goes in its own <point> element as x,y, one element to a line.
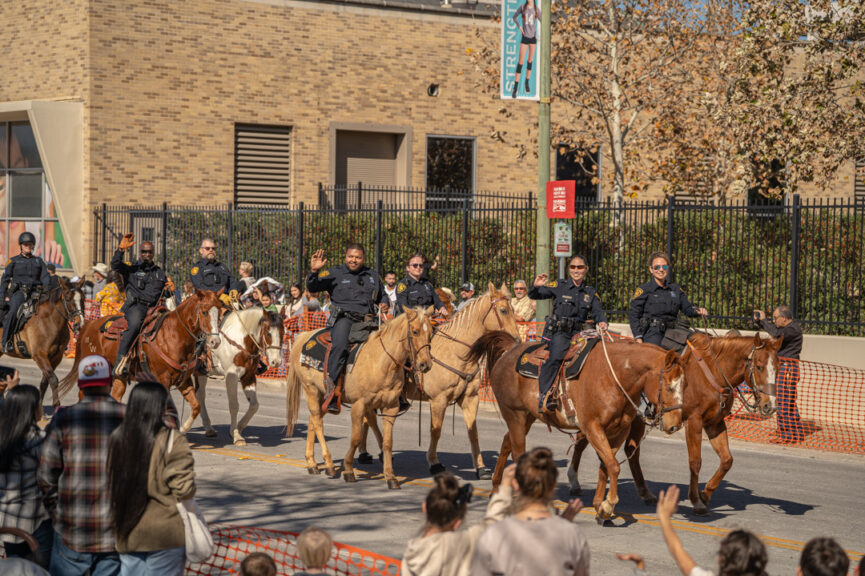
<point>73,474</point>
<point>20,497</point>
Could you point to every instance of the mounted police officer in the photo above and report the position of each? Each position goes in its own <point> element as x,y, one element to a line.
<point>354,291</point>
<point>573,303</point>
<point>25,277</point>
<point>415,289</point>
<point>210,274</point>
<point>656,306</point>
<point>146,284</point>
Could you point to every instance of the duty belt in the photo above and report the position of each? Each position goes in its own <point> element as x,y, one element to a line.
<point>661,325</point>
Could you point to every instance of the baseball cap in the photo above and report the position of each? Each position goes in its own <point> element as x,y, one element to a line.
<point>468,286</point>
<point>94,370</point>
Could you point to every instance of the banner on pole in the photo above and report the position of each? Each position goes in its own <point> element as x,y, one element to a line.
<point>562,241</point>
<point>521,50</point>
<point>560,199</point>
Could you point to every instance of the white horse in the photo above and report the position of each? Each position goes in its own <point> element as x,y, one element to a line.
<point>245,336</point>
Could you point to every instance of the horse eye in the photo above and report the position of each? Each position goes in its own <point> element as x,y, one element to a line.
<point>415,332</point>
<point>504,311</point>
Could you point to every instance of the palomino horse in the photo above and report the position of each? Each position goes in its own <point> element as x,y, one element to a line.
<point>455,379</point>
<point>46,335</point>
<point>374,382</point>
<point>170,355</point>
<point>708,400</point>
<point>246,336</point>
<point>605,397</point>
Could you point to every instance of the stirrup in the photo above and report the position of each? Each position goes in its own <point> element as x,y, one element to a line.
<point>121,370</point>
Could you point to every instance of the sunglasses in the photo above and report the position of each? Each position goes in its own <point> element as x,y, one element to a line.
<point>415,265</point>
<point>661,267</point>
<point>578,266</point>
<point>519,288</point>
<point>208,248</point>
<point>147,251</point>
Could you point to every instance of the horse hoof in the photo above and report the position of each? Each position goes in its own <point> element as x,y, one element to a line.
<point>393,485</point>
<point>700,509</point>
<point>436,468</point>
<point>331,472</point>
<point>313,470</point>
<point>364,458</point>
<point>650,500</point>
<point>483,473</point>
<point>240,442</point>
<point>210,433</point>
<point>349,477</point>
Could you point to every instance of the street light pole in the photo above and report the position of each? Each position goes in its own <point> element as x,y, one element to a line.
<point>542,248</point>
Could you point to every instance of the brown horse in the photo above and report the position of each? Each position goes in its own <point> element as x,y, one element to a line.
<point>452,378</point>
<point>46,335</point>
<point>374,383</point>
<point>708,400</point>
<point>605,397</point>
<point>170,355</point>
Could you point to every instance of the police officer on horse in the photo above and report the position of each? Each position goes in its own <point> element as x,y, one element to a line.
<point>146,284</point>
<point>573,302</point>
<point>210,274</point>
<point>354,292</point>
<point>24,278</point>
<point>415,289</point>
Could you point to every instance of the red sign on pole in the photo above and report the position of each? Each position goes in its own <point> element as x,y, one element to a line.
<point>560,199</point>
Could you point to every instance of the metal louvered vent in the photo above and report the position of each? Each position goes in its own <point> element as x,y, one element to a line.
<point>261,164</point>
<point>859,181</point>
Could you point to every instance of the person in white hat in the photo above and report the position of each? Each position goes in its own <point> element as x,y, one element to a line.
<point>100,279</point>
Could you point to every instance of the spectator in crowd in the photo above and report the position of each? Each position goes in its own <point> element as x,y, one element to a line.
<point>258,564</point>
<point>294,301</point>
<point>390,287</point>
<point>145,482</point>
<point>252,294</point>
<point>265,300</point>
<point>324,301</point>
<point>100,279</point>
<point>7,384</point>
<point>524,307</point>
<point>314,546</point>
<point>188,290</point>
<point>534,540</point>
<point>112,296</point>
<point>442,548</point>
<point>823,557</point>
<point>310,301</point>
<point>245,275</point>
<point>21,504</point>
<point>467,294</point>
<point>53,279</point>
<point>790,429</point>
<point>74,479</point>
<point>741,552</point>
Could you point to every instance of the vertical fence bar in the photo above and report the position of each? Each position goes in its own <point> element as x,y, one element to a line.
<point>164,247</point>
<point>794,256</point>
<point>671,204</point>
<point>300,242</point>
<point>230,242</point>
<point>104,231</point>
<point>379,249</point>
<point>359,194</point>
<point>464,248</point>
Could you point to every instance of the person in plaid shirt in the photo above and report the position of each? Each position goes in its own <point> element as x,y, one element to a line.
<point>74,478</point>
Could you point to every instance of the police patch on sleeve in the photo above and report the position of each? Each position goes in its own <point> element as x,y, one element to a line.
<point>400,288</point>
<point>552,284</point>
<point>323,273</point>
<point>194,270</point>
<point>8,262</point>
<point>637,294</point>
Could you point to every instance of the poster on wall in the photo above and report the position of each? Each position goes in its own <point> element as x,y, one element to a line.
<point>50,242</point>
<point>521,45</point>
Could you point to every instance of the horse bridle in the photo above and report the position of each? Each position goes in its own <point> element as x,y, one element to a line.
<point>659,413</point>
<point>412,367</point>
<point>749,368</point>
<point>465,375</point>
<point>204,334</point>
<point>77,313</point>
<point>262,350</point>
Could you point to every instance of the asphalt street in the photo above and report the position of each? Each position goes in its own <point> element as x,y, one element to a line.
<point>786,495</point>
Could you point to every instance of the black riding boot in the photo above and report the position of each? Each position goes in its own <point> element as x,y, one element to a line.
<point>333,405</point>
<point>404,404</point>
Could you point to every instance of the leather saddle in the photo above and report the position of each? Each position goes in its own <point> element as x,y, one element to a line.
<point>114,326</point>
<point>317,349</point>
<point>529,362</point>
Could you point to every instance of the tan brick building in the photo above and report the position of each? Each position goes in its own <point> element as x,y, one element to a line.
<point>215,101</point>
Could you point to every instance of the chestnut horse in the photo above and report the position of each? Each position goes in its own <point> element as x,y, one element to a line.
<point>452,378</point>
<point>374,383</point>
<point>47,333</point>
<point>709,396</point>
<point>605,396</point>
<point>170,356</point>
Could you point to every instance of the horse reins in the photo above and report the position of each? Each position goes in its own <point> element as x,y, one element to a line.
<point>734,390</point>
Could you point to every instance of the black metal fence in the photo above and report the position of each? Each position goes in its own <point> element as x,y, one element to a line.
<point>730,259</point>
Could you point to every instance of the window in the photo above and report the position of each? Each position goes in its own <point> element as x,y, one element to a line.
<point>581,166</point>
<point>450,171</point>
<point>26,203</point>
<point>261,164</point>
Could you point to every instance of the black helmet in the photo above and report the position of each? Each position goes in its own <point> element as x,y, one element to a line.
<point>26,237</point>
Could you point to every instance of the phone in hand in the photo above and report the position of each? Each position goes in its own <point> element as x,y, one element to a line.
<point>7,372</point>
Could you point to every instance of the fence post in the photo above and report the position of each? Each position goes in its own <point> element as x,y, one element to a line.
<point>231,263</point>
<point>300,242</point>
<point>378,246</point>
<point>359,192</point>
<point>104,230</point>
<point>320,196</point>
<point>464,248</point>
<point>794,256</point>
<point>671,204</point>
<point>164,247</point>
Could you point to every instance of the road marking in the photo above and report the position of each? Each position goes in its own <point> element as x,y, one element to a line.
<point>646,519</point>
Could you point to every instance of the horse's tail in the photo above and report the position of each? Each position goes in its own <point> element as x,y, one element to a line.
<point>493,345</point>
<point>293,384</point>
<point>71,379</point>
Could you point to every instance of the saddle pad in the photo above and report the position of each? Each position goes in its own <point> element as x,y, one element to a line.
<point>113,327</point>
<point>529,362</point>
<point>316,348</point>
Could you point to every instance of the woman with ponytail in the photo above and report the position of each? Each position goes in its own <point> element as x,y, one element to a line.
<point>534,540</point>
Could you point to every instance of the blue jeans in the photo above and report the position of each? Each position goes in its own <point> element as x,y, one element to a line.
<point>66,562</point>
<point>170,562</point>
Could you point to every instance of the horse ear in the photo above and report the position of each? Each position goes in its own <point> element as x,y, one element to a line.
<point>221,290</point>
<point>81,283</point>
<point>670,359</point>
<point>505,291</point>
<point>411,313</point>
<point>776,343</point>
<point>491,288</point>
<point>430,310</point>
<point>757,340</point>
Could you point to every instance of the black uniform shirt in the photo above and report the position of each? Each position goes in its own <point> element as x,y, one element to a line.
<point>661,302</point>
<point>411,293</point>
<point>356,292</point>
<point>570,300</point>
<point>207,275</point>
<point>24,271</point>
<point>791,346</point>
<point>144,281</point>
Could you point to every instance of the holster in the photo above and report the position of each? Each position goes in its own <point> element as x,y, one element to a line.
<point>565,324</point>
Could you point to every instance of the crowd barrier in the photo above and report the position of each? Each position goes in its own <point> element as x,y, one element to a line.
<point>234,543</point>
<point>830,399</point>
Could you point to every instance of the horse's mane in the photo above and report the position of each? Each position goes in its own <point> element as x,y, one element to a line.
<point>460,317</point>
<point>248,317</point>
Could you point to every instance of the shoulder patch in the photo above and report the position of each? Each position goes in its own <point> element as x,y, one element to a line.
<point>324,273</point>
<point>637,293</point>
<point>8,262</point>
<point>400,288</point>
<point>552,284</point>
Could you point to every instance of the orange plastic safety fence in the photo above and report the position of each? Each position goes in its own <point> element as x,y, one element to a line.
<point>234,543</point>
